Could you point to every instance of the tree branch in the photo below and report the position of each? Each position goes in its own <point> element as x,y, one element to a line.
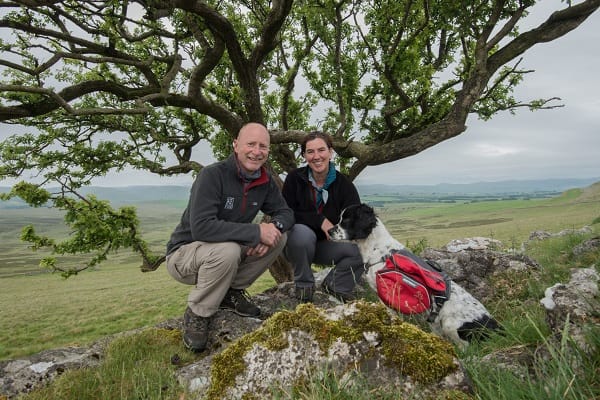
<point>557,25</point>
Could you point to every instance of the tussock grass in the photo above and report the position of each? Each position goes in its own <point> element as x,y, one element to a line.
<point>556,371</point>
<point>135,367</point>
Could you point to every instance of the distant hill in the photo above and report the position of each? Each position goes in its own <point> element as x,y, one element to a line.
<point>165,193</point>
<point>121,195</point>
<point>139,194</point>
<point>482,188</point>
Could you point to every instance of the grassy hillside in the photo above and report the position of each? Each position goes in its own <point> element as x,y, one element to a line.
<point>41,311</point>
<point>157,222</point>
<point>44,311</point>
<point>510,221</point>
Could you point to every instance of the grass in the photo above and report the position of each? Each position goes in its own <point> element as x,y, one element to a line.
<point>557,378</point>
<point>42,311</point>
<point>510,221</point>
<point>134,368</point>
<point>556,370</point>
<point>47,311</point>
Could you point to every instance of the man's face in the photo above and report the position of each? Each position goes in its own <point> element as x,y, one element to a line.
<point>252,147</point>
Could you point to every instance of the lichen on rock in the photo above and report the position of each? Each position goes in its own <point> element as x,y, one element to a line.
<point>357,337</point>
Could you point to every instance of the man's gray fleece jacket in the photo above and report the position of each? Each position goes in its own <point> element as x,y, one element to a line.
<point>222,207</point>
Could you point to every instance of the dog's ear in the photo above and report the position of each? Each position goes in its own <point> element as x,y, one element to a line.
<point>366,211</point>
<point>366,221</point>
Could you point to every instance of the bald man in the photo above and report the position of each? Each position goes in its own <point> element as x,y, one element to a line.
<point>216,247</point>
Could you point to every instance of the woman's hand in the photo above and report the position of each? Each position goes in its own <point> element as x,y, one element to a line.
<point>325,227</point>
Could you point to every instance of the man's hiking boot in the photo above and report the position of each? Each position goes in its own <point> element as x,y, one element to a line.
<point>343,297</point>
<point>305,294</point>
<point>239,302</point>
<point>195,331</point>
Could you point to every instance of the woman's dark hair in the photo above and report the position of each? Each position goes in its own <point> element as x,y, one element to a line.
<point>315,135</point>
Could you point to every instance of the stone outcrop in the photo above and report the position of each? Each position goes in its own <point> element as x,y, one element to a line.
<point>471,262</point>
<point>25,374</point>
<point>543,235</point>
<point>570,306</point>
<point>357,342</point>
<point>587,246</point>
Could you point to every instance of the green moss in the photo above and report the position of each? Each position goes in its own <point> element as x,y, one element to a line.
<point>424,357</point>
<point>452,395</point>
<point>173,334</point>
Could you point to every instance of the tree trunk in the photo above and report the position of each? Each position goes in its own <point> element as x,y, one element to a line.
<point>281,270</point>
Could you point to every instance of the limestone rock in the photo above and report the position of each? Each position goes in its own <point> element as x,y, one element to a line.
<point>477,261</point>
<point>570,306</point>
<point>352,340</point>
<point>474,243</point>
<point>542,235</point>
<point>25,374</point>
<point>587,246</point>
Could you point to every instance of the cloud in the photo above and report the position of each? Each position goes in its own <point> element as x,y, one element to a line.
<point>491,150</point>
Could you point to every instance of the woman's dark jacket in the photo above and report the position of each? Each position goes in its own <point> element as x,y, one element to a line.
<point>299,195</point>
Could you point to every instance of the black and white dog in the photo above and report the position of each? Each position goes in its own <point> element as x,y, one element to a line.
<point>462,317</point>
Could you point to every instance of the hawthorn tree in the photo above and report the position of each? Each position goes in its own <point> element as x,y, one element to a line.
<point>101,86</point>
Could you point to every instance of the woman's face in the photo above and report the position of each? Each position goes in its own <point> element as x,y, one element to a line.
<point>317,155</point>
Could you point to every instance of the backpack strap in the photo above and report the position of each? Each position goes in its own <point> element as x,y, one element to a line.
<point>447,280</point>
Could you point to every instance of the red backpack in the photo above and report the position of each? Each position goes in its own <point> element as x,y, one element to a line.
<point>411,285</point>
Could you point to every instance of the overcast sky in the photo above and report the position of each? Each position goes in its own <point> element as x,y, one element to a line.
<point>557,143</point>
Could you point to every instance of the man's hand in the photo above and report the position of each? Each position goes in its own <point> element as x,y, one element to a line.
<point>259,250</point>
<point>326,226</point>
<point>269,235</point>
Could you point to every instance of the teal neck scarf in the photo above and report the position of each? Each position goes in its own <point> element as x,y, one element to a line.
<point>322,195</point>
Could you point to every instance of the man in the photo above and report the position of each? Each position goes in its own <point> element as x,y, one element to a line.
<point>216,245</point>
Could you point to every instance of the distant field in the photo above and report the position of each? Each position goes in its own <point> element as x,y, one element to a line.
<point>41,311</point>
<point>510,221</point>
<point>158,220</point>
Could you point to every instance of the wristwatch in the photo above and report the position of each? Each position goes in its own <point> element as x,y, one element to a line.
<point>278,225</point>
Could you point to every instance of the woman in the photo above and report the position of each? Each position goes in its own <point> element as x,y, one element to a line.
<point>317,194</point>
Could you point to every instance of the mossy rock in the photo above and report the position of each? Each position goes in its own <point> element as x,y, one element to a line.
<point>350,338</point>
